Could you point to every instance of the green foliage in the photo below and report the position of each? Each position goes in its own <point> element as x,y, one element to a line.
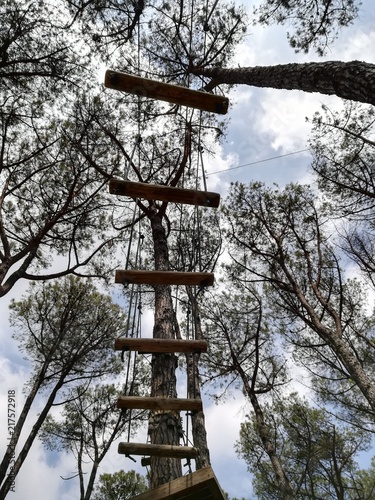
<point>87,427</point>
<point>89,423</point>
<point>241,349</point>
<point>53,200</point>
<point>318,455</point>
<point>282,239</point>
<point>343,148</point>
<point>120,486</point>
<point>210,40</point>
<point>316,24</point>
<point>67,329</point>
<point>51,195</point>
<point>37,48</point>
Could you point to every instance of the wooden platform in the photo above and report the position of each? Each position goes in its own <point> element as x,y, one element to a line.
<point>200,485</point>
<point>159,404</point>
<point>164,193</point>
<point>163,278</point>
<point>174,94</point>
<point>157,450</point>
<point>148,345</point>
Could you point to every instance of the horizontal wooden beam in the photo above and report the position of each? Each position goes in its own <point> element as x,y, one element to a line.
<point>199,485</point>
<point>146,345</point>
<point>164,193</point>
<point>163,278</point>
<point>174,94</point>
<point>164,404</point>
<point>157,450</point>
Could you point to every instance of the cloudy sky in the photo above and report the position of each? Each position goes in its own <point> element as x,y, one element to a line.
<point>264,124</point>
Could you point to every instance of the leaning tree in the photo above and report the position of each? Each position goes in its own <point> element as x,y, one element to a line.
<point>66,331</point>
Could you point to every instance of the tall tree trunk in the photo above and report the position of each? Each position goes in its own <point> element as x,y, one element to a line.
<point>31,437</point>
<point>197,418</point>
<point>22,419</point>
<point>164,427</point>
<point>285,488</point>
<point>354,80</point>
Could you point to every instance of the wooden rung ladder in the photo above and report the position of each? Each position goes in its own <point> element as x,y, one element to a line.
<point>158,450</point>
<point>159,403</point>
<point>164,193</point>
<point>151,345</point>
<point>174,94</point>
<point>144,277</point>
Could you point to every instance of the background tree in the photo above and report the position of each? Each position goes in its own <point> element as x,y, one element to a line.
<point>53,204</point>
<point>242,355</point>
<point>290,250</point>
<point>281,239</point>
<point>38,51</point>
<point>197,246</point>
<point>317,454</point>
<point>315,24</point>
<point>90,423</point>
<point>66,330</point>
<point>120,486</point>
<point>343,148</point>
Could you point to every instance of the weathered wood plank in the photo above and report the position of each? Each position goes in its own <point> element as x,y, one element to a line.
<point>157,450</point>
<point>163,278</point>
<point>164,404</point>
<point>174,94</point>
<point>164,193</point>
<point>147,345</point>
<point>200,485</point>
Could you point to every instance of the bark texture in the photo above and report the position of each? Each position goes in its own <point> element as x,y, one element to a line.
<point>164,427</point>
<point>5,487</point>
<point>285,488</point>
<point>354,80</point>
<point>197,419</point>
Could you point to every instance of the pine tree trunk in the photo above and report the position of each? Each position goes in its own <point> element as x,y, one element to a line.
<point>164,427</point>
<point>285,488</point>
<point>354,80</point>
<point>351,363</point>
<point>197,418</point>
<point>22,419</point>
<point>5,487</point>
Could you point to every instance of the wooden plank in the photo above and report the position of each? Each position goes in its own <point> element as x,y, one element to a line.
<point>163,278</point>
<point>200,485</point>
<point>157,450</point>
<point>174,94</point>
<point>163,404</point>
<point>164,193</point>
<point>147,346</point>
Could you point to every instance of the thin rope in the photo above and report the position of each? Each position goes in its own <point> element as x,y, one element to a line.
<point>137,141</point>
<point>258,161</point>
<point>131,238</point>
<point>135,301</point>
